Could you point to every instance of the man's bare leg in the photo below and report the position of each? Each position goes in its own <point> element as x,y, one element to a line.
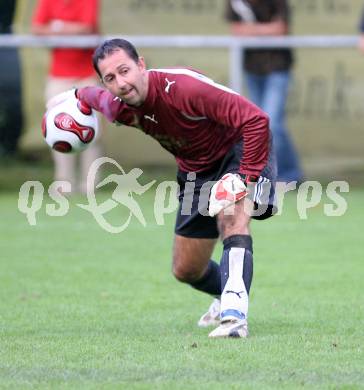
<point>192,264</point>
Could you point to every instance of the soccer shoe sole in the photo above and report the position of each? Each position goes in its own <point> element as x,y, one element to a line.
<point>231,329</point>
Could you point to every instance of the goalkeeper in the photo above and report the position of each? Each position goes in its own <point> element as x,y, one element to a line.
<point>216,136</point>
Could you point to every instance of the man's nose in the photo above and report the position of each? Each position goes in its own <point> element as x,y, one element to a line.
<point>120,82</point>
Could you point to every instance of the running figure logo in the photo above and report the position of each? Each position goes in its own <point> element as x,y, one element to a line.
<point>126,185</point>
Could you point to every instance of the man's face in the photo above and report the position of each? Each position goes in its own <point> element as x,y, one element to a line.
<point>125,78</point>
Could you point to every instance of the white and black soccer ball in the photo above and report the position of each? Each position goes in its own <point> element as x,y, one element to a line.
<point>70,126</point>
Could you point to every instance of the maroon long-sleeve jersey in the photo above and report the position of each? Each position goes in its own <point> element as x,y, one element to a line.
<point>194,118</point>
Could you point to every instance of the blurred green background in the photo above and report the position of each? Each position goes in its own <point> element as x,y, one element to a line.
<point>325,110</point>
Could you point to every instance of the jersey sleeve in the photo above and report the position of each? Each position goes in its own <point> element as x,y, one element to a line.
<point>239,11</point>
<point>90,12</point>
<point>101,100</point>
<point>235,113</point>
<point>230,14</point>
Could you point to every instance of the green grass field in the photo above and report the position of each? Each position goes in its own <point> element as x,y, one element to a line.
<point>81,308</point>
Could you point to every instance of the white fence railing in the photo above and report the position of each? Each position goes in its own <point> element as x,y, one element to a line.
<point>233,44</point>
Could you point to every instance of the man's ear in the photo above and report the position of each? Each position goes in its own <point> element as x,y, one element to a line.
<point>141,63</point>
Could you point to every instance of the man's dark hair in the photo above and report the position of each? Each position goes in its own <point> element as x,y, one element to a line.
<point>110,46</point>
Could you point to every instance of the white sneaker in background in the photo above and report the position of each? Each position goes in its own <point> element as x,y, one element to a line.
<point>212,316</point>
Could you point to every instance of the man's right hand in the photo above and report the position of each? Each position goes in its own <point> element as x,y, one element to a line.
<point>61,97</point>
<point>71,94</point>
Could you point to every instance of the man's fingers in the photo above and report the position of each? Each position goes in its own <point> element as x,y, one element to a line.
<point>228,190</point>
<point>61,97</point>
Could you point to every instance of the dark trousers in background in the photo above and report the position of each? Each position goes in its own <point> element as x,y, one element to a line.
<point>11,115</point>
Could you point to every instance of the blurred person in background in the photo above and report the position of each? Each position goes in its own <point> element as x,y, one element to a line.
<point>70,67</point>
<point>267,72</point>
<point>11,115</point>
<point>361,29</point>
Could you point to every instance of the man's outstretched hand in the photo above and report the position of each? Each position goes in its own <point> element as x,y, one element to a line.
<point>61,97</point>
<point>70,94</point>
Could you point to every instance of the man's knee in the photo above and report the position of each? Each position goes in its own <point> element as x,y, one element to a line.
<point>191,257</point>
<point>185,273</point>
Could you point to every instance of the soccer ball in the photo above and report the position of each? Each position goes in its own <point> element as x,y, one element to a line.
<point>70,126</point>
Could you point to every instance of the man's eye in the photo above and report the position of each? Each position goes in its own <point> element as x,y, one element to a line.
<point>124,71</point>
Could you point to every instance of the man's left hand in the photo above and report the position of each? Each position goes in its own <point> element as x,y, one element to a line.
<point>227,191</point>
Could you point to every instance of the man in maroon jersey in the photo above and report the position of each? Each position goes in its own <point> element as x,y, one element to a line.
<point>222,145</point>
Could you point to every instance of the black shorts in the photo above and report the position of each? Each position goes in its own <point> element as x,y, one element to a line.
<point>192,216</point>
